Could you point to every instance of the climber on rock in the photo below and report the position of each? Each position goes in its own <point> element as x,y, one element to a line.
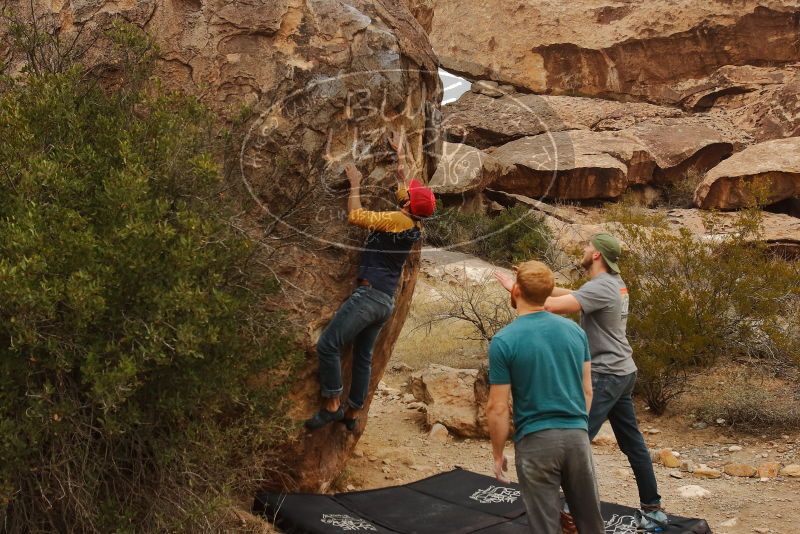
<point>360,319</point>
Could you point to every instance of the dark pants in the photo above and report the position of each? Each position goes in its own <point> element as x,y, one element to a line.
<point>612,400</point>
<point>358,321</point>
<point>557,457</point>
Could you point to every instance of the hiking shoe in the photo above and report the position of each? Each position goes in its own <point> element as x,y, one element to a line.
<point>651,520</point>
<point>324,417</point>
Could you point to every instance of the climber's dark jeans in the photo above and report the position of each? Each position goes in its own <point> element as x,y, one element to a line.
<point>358,321</point>
<point>612,400</point>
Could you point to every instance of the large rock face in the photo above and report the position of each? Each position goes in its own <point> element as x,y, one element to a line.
<point>586,165</point>
<point>315,83</point>
<point>764,102</point>
<point>482,121</point>
<point>423,12</point>
<point>616,49</point>
<point>575,165</point>
<point>682,148</point>
<point>772,166</point>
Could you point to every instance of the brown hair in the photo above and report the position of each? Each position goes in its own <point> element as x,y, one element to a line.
<point>535,281</point>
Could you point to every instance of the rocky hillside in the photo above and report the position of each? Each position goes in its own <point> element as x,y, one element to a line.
<point>618,48</point>
<point>683,104</point>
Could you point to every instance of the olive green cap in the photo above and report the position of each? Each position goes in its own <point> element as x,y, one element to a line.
<point>608,246</point>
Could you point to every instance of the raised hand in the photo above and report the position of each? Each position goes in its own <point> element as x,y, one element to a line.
<point>397,141</point>
<point>506,280</point>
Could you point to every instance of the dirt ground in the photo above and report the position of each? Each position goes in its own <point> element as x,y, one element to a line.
<point>395,449</point>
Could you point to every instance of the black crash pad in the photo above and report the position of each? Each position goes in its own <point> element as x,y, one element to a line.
<point>456,502</point>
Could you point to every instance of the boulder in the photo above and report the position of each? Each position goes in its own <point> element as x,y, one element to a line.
<point>668,459</point>
<point>605,436</point>
<point>482,121</point>
<point>772,167</point>
<point>457,268</point>
<point>488,88</point>
<point>792,471</point>
<point>760,101</point>
<point>617,50</point>
<point>703,94</point>
<point>739,470</point>
<point>780,232</point>
<point>586,165</point>
<point>439,433</point>
<point>462,175</point>
<point>573,165</point>
<point>303,82</point>
<point>768,470</point>
<point>455,399</point>
<point>682,148</point>
<point>706,472</point>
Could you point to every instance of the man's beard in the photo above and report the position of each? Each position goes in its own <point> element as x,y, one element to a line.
<point>513,301</point>
<point>586,262</point>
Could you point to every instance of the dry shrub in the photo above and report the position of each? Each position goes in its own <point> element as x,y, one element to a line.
<point>696,301</point>
<point>747,401</point>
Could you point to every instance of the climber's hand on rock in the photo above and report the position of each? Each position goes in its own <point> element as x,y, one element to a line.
<point>353,174</point>
<point>397,140</point>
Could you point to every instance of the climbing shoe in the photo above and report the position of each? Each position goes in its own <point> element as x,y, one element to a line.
<point>349,423</point>
<point>651,520</point>
<point>324,417</point>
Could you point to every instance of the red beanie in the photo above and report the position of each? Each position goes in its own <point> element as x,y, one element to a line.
<point>423,203</point>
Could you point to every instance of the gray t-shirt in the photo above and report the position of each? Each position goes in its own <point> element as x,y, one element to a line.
<point>604,318</point>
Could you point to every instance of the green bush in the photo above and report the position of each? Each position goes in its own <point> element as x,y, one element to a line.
<point>695,301</point>
<point>452,228</point>
<point>516,234</point>
<point>129,325</point>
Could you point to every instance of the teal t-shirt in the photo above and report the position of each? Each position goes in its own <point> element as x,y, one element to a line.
<point>542,355</point>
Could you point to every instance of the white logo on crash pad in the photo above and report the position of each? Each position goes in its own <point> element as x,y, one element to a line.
<point>347,522</point>
<point>621,524</point>
<point>495,495</point>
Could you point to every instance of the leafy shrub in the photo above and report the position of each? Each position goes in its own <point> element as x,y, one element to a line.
<point>451,227</point>
<point>694,301</point>
<point>516,234</point>
<point>130,320</point>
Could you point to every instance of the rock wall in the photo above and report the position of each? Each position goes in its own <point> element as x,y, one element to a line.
<point>309,85</point>
<point>770,169</point>
<point>611,48</point>
<point>615,97</point>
